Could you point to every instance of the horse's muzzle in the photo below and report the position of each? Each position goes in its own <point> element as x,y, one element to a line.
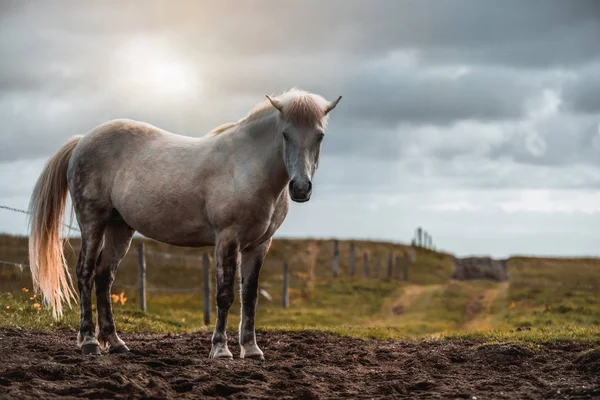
<point>300,190</point>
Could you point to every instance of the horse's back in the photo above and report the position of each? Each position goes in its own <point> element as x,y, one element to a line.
<point>118,132</point>
<point>115,142</point>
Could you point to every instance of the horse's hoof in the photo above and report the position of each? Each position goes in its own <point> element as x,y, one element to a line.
<point>119,349</point>
<point>258,356</point>
<point>221,353</point>
<point>251,351</point>
<point>222,356</point>
<point>90,348</point>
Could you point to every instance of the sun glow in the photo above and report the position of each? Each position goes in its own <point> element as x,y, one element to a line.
<point>145,67</point>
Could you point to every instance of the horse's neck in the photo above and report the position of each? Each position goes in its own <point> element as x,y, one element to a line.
<point>265,145</point>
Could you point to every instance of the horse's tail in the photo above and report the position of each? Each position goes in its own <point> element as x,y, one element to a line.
<point>47,208</point>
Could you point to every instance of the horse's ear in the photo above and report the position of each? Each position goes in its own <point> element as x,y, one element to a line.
<point>332,105</point>
<point>276,104</point>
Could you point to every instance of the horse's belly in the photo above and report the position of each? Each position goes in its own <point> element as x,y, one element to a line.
<point>172,226</point>
<point>190,239</point>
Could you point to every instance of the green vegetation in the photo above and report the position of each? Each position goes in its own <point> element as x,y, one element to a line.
<point>545,300</point>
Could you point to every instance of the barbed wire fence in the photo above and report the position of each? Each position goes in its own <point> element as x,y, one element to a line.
<point>28,213</point>
<point>398,263</point>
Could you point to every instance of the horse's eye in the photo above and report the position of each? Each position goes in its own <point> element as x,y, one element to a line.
<point>285,135</point>
<point>320,137</point>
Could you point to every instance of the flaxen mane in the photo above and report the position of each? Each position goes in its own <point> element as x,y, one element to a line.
<point>299,106</point>
<point>222,128</point>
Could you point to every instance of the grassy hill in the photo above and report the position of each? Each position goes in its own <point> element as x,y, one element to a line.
<point>544,299</point>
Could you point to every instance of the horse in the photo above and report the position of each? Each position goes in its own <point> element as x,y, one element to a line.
<point>229,188</point>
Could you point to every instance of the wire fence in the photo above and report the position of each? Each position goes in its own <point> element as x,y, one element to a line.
<point>206,264</point>
<point>21,267</point>
<point>12,264</point>
<point>28,213</point>
<point>392,264</point>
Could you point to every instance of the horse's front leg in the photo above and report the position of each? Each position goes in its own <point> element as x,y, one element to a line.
<point>251,263</point>
<point>227,257</point>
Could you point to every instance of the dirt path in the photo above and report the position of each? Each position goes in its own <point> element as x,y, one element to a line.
<point>304,365</point>
<point>479,309</point>
<point>409,297</point>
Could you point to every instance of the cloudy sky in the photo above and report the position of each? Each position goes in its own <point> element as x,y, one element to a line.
<point>479,121</point>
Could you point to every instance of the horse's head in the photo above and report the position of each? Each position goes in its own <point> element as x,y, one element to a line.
<point>302,129</point>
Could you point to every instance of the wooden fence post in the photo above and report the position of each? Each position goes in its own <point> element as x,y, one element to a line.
<point>352,260</point>
<point>378,268</point>
<point>419,236</point>
<point>284,295</point>
<point>336,258</point>
<point>366,265</point>
<point>406,261</point>
<point>206,278</point>
<point>310,278</point>
<point>398,267</point>
<point>390,266</point>
<point>142,276</point>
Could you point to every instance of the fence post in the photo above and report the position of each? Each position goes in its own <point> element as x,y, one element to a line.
<point>206,279</point>
<point>398,267</point>
<point>336,258</point>
<point>378,268</point>
<point>142,276</point>
<point>284,295</point>
<point>352,260</point>
<point>419,236</point>
<point>390,265</point>
<point>366,265</point>
<point>406,261</point>
<point>413,253</point>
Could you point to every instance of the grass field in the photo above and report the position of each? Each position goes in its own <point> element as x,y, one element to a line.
<point>544,299</point>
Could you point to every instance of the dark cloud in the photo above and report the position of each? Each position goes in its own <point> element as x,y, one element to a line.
<point>412,98</point>
<point>509,32</point>
<point>411,73</point>
<point>583,93</point>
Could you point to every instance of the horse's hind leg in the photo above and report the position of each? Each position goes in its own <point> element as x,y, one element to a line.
<point>91,244</point>
<point>251,263</point>
<point>117,239</point>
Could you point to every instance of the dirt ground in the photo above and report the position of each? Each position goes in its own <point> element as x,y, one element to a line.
<point>304,365</point>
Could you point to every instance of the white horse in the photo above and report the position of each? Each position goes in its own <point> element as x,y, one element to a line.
<point>227,189</point>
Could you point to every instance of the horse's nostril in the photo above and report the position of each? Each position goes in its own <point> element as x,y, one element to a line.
<point>300,189</point>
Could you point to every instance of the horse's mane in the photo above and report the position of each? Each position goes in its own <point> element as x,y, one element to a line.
<point>298,106</point>
<point>222,128</point>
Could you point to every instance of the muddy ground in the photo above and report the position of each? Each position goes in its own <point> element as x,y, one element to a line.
<point>303,365</point>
